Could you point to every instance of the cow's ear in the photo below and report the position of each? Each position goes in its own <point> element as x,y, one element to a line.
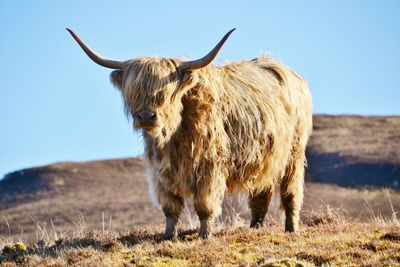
<point>116,78</point>
<point>188,79</point>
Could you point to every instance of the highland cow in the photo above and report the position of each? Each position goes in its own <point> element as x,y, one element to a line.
<point>211,130</point>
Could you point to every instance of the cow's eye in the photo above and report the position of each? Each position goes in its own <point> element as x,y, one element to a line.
<point>159,98</point>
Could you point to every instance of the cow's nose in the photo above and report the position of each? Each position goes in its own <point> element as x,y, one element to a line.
<point>146,117</point>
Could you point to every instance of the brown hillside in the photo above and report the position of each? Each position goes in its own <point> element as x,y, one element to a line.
<point>334,241</point>
<point>63,191</point>
<point>355,151</point>
<point>113,193</point>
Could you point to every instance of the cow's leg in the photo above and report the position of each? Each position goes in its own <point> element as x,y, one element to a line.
<point>292,193</point>
<point>172,206</point>
<point>207,203</point>
<point>258,204</point>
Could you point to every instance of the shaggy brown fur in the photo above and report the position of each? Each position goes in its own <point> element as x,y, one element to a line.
<point>243,126</point>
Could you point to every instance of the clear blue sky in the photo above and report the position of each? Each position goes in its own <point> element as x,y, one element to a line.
<point>57,105</point>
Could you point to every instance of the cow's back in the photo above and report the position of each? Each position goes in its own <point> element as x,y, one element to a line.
<point>268,108</point>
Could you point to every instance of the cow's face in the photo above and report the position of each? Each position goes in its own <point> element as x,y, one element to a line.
<point>152,89</point>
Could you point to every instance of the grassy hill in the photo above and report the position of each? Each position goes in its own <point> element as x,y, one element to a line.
<point>355,151</point>
<point>114,192</point>
<point>326,240</point>
<point>100,212</point>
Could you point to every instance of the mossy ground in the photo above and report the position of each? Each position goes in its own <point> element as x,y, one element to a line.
<point>336,243</point>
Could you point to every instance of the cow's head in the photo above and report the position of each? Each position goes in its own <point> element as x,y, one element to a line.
<point>152,87</point>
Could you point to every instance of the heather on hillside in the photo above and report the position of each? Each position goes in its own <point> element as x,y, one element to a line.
<point>326,239</point>
<point>99,212</point>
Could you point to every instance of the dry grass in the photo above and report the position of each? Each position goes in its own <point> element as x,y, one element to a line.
<point>110,192</point>
<point>120,201</point>
<point>355,151</point>
<point>369,138</point>
<point>79,213</point>
<point>114,192</point>
<point>327,238</point>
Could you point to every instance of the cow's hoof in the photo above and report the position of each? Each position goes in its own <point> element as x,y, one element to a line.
<point>291,227</point>
<point>256,225</point>
<point>291,230</point>
<point>170,237</point>
<point>205,234</point>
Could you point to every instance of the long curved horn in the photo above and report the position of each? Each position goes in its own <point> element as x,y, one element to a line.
<point>102,61</point>
<point>204,61</point>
